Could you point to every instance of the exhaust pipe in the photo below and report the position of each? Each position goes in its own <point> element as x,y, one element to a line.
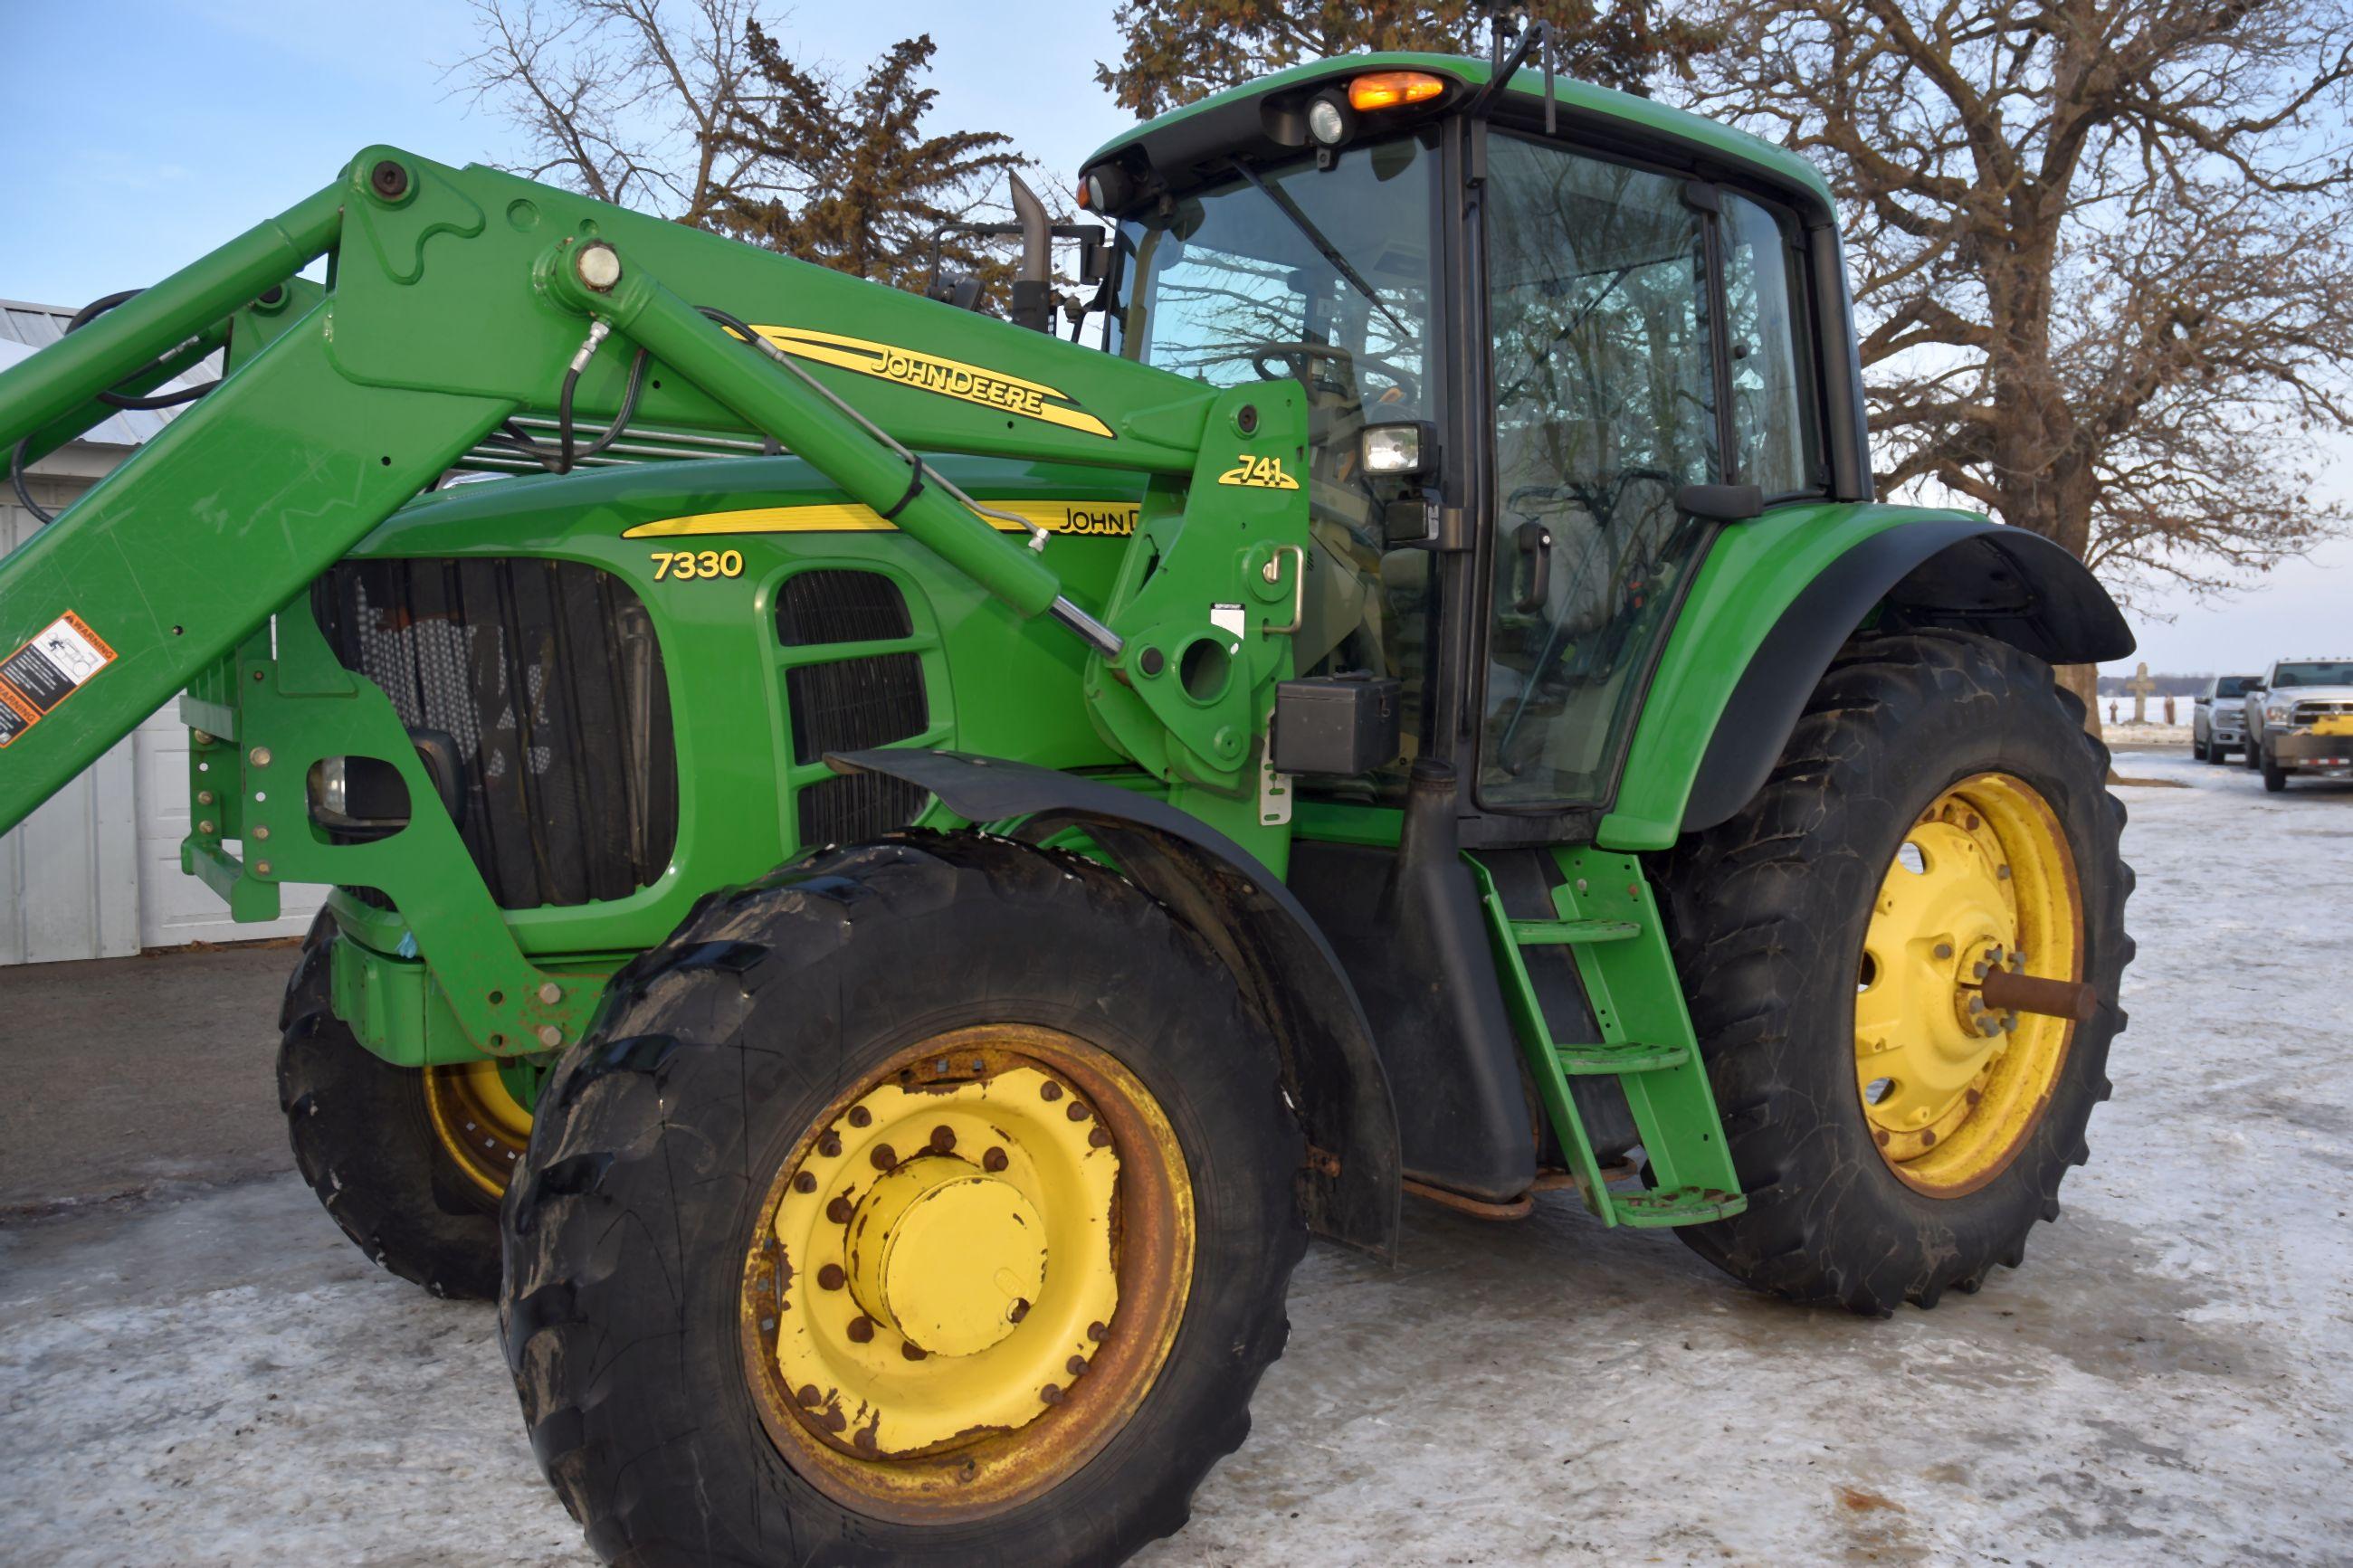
<point>1033,284</point>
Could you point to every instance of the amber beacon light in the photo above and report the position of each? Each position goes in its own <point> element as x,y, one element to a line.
<point>1392,90</point>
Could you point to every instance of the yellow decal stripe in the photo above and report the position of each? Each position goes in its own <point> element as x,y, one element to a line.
<point>1084,519</point>
<point>930,373</point>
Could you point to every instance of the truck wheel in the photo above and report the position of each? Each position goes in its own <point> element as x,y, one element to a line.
<point>2198,751</point>
<point>2275,776</point>
<point>1939,810</point>
<point>410,1161</point>
<point>2255,754</point>
<point>932,1202</point>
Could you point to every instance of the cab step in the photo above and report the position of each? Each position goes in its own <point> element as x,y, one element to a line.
<point>1608,919</point>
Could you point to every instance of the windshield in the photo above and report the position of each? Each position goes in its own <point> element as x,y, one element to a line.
<point>2231,685</point>
<point>2312,672</point>
<point>1322,277</point>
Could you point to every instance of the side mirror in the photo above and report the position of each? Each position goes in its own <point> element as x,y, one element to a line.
<point>1720,503</point>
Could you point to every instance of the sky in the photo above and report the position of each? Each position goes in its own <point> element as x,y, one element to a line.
<point>141,134</point>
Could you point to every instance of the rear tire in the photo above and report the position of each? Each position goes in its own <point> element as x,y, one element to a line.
<point>1768,914</point>
<point>644,1318</point>
<point>364,1141</point>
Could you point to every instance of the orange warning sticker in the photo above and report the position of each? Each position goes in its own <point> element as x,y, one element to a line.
<point>50,668</point>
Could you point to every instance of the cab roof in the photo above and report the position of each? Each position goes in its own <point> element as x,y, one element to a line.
<point>1223,121</point>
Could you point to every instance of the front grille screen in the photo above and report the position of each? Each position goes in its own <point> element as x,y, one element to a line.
<point>849,704</point>
<point>832,605</point>
<point>547,678</point>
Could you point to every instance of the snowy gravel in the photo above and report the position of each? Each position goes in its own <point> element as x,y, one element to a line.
<point>219,1378</point>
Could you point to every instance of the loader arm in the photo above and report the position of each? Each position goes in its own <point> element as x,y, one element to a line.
<point>457,299</point>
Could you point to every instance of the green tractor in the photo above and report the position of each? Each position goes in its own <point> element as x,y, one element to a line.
<point>892,865</point>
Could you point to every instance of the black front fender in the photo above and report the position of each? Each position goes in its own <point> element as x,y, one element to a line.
<point>1966,575</point>
<point>1331,1072</point>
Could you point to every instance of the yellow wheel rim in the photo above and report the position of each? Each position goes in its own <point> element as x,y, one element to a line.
<point>966,1275</point>
<point>1950,1088</point>
<point>477,1120</point>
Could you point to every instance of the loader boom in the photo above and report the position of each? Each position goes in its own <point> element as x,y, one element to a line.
<point>457,300</point>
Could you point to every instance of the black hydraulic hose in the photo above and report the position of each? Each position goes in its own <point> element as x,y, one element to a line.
<point>16,480</point>
<point>99,307</point>
<point>562,461</point>
<point>123,400</point>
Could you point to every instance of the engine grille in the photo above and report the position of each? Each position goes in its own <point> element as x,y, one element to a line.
<point>850,703</point>
<point>831,606</point>
<point>547,678</point>
<point>2321,707</point>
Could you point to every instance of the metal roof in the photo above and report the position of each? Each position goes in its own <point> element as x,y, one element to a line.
<point>25,329</point>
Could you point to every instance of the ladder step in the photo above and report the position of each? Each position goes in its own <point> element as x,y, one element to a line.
<point>1591,1062</point>
<point>1564,933</point>
<point>1680,1206</point>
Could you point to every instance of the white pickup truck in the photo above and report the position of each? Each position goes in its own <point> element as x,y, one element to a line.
<point>2300,721</point>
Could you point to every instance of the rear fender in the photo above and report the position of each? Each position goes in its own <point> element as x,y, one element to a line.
<point>1331,1073</point>
<point>1772,605</point>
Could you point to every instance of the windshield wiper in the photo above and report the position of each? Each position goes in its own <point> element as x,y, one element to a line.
<point>1306,226</point>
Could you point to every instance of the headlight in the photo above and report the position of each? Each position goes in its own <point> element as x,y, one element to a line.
<point>1329,121</point>
<point>2279,713</point>
<point>332,788</point>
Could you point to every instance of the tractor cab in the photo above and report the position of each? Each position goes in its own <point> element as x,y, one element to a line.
<point>1543,367</point>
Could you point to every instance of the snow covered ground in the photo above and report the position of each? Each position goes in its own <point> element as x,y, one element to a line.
<point>219,1378</point>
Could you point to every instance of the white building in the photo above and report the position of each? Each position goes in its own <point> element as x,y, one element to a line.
<point>95,873</point>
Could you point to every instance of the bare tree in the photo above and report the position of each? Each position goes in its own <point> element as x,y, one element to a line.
<point>626,100</point>
<point>2099,255</point>
<point>1174,52</point>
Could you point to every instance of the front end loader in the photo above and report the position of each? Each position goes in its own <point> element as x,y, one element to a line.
<point>891,867</point>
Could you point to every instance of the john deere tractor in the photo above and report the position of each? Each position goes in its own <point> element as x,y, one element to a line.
<point>891,865</point>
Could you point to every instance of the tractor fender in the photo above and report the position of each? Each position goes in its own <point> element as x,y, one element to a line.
<point>1771,604</point>
<point>1966,575</point>
<point>1332,1075</point>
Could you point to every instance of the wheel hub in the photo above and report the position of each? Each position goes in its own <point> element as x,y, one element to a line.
<point>1950,1085</point>
<point>946,1255</point>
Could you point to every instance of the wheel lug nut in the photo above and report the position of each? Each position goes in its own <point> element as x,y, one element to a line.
<point>862,1330</point>
<point>829,1144</point>
<point>1050,1394</point>
<point>1076,1366</point>
<point>830,1277</point>
<point>1943,950</point>
<point>1100,1137</point>
<point>913,1351</point>
<point>943,1139</point>
<point>1078,1112</point>
<point>1049,1090</point>
<point>805,1182</point>
<point>839,1211</point>
<point>995,1160</point>
<point>809,1397</point>
<point>859,1116</point>
<point>1097,1332</point>
<point>884,1156</point>
<point>864,1440</point>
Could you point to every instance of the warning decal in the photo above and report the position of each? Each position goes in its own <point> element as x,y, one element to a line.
<point>47,670</point>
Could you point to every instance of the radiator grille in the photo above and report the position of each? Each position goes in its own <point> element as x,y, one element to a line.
<point>835,606</point>
<point>853,807</point>
<point>547,678</point>
<point>849,704</point>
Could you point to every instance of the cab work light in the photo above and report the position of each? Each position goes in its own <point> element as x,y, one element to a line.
<point>1392,90</point>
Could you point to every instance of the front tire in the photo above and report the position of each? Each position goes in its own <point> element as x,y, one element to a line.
<point>1937,802</point>
<point>2275,776</point>
<point>369,1139</point>
<point>736,1335</point>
